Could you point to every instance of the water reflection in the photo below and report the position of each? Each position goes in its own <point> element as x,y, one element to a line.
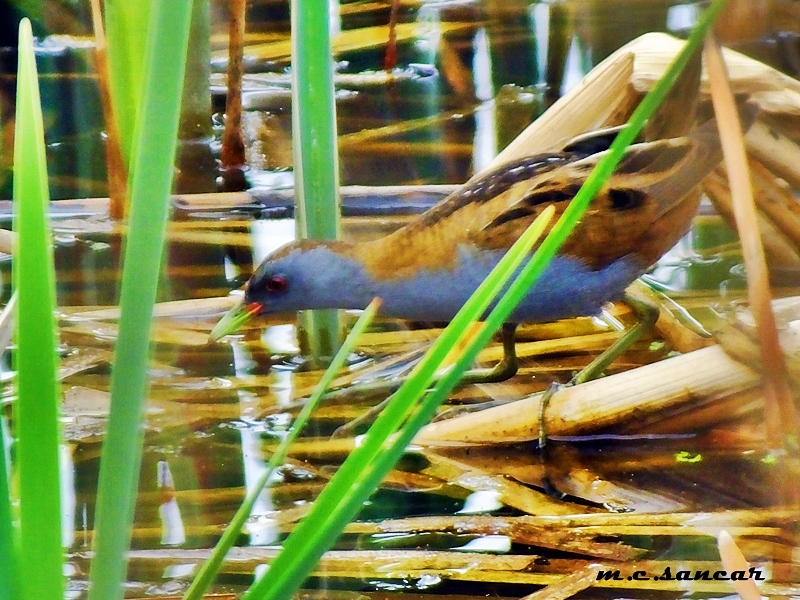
<point>262,532</point>
<point>172,529</point>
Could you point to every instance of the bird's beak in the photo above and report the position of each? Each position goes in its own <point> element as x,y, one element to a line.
<point>234,319</point>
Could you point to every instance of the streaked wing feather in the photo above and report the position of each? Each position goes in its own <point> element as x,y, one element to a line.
<point>643,208</point>
<point>621,217</point>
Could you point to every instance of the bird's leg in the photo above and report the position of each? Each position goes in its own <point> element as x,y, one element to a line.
<point>647,314</point>
<point>351,428</point>
<point>508,365</point>
<point>505,369</point>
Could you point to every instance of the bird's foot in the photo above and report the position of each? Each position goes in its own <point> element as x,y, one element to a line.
<point>458,411</point>
<point>503,370</point>
<point>544,402</point>
<point>362,392</point>
<point>354,427</point>
<point>547,483</point>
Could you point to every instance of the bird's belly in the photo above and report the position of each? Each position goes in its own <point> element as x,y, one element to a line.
<point>567,288</point>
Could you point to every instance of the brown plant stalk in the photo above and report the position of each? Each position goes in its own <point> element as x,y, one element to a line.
<point>117,168</point>
<point>779,411</point>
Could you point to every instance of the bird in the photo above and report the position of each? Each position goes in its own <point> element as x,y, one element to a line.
<point>426,270</point>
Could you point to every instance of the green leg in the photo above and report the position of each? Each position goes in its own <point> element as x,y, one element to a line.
<point>648,315</point>
<point>508,365</point>
<point>351,428</point>
<point>505,369</point>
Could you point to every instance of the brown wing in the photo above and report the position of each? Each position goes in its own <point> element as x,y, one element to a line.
<point>430,241</point>
<point>636,211</point>
<point>644,208</point>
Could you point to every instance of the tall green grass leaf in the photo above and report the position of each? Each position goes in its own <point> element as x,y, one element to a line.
<point>36,408</point>
<point>211,567</point>
<point>9,566</point>
<point>319,529</point>
<point>151,179</point>
<point>126,29</point>
<point>316,160</point>
<point>364,469</point>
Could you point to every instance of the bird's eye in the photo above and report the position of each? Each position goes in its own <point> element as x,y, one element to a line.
<point>276,283</point>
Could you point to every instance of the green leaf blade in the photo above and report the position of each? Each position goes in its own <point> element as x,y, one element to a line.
<point>212,566</point>
<point>370,462</point>
<point>152,166</point>
<point>36,409</point>
<point>316,158</point>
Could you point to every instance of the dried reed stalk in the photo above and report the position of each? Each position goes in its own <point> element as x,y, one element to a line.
<point>348,40</point>
<point>507,491</point>
<point>733,560</point>
<point>115,161</point>
<point>569,585</point>
<point>602,403</point>
<point>781,250</point>
<point>773,91</point>
<point>776,151</point>
<point>198,307</point>
<point>565,539</point>
<point>390,58</point>
<point>776,201</point>
<point>779,410</point>
<point>594,103</point>
<point>8,239</point>
<point>232,156</point>
<point>456,566</point>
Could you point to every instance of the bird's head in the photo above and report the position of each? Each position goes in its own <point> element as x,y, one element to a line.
<point>304,274</point>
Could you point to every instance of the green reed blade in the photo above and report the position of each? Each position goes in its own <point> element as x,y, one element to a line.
<point>316,160</point>
<point>544,253</point>
<point>233,320</point>
<point>126,29</point>
<point>211,567</point>
<point>9,565</point>
<point>368,464</point>
<point>36,408</point>
<point>319,529</point>
<point>151,180</point>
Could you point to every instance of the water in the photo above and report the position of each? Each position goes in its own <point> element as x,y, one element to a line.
<point>469,79</point>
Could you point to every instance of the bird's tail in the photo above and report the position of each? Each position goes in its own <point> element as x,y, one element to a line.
<point>678,165</point>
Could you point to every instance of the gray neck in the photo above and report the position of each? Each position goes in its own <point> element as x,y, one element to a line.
<point>333,280</point>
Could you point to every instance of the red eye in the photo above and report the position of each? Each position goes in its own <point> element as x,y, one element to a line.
<point>276,283</point>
